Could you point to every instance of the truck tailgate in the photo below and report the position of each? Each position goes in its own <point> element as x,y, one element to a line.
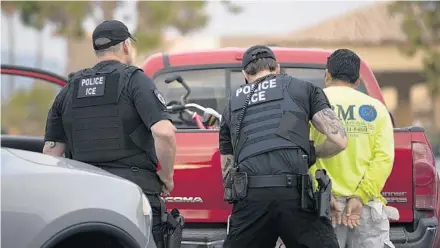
<point>398,189</point>
<point>198,192</point>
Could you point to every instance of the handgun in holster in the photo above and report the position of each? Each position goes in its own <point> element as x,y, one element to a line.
<point>174,223</point>
<point>322,196</point>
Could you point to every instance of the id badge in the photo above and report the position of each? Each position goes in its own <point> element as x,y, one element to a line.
<point>227,227</point>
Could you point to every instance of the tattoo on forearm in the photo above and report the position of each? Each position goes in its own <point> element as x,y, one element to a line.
<point>326,122</point>
<point>333,124</point>
<point>50,144</point>
<point>54,148</point>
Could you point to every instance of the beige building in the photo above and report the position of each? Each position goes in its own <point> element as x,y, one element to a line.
<point>375,35</point>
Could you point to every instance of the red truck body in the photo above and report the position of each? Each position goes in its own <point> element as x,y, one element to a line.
<point>412,187</point>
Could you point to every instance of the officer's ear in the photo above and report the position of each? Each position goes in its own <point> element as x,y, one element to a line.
<point>327,78</point>
<point>245,76</point>
<point>126,47</point>
<point>278,69</point>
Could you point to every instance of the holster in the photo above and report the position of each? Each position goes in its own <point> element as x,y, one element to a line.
<point>236,185</point>
<point>305,188</point>
<point>322,196</point>
<point>174,223</point>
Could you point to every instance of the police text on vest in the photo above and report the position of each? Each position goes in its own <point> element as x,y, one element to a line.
<point>90,87</point>
<point>259,93</point>
<point>91,82</point>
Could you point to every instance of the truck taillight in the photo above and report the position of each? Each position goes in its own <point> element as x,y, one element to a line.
<point>424,174</point>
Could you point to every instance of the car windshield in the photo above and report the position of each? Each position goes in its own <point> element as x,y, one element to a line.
<point>210,87</point>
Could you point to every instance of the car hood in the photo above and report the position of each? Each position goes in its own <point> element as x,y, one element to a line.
<point>58,162</point>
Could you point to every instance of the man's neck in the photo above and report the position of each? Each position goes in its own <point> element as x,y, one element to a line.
<point>341,83</point>
<point>109,58</point>
<point>260,74</point>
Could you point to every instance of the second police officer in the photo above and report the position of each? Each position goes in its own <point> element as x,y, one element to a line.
<point>266,153</point>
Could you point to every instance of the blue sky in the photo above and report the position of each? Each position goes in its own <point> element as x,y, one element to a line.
<point>259,17</point>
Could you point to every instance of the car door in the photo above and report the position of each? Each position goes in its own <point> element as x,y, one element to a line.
<point>27,94</point>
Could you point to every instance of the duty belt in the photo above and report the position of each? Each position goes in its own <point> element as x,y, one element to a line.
<point>287,181</point>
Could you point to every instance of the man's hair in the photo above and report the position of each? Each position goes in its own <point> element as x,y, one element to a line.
<point>344,65</point>
<point>113,49</point>
<point>264,64</point>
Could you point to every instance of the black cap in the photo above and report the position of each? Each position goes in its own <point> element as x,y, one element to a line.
<point>256,52</point>
<point>110,33</point>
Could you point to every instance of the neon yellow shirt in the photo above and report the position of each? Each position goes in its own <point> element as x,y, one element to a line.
<point>364,166</point>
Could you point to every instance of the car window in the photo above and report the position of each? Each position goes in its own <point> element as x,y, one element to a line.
<point>24,104</point>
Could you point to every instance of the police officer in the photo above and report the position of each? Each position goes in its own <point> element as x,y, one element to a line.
<point>112,116</point>
<point>265,149</point>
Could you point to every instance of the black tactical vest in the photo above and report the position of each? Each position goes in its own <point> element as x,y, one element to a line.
<point>100,127</point>
<point>272,120</point>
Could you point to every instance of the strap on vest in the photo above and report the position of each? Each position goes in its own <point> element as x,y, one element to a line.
<point>287,181</point>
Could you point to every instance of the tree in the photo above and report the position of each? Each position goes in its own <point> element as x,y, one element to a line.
<point>421,24</point>
<point>27,109</point>
<point>153,18</point>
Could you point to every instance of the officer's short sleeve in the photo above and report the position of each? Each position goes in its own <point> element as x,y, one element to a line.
<point>149,102</point>
<point>318,100</point>
<point>54,123</point>
<point>225,143</point>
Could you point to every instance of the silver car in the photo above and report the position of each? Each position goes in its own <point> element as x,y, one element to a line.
<point>49,202</point>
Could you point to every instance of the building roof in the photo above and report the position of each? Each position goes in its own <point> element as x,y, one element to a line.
<point>371,25</point>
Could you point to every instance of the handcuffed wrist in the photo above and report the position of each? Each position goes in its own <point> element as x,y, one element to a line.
<point>355,197</point>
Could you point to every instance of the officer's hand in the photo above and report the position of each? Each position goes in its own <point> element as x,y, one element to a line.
<point>352,213</point>
<point>335,211</point>
<point>168,182</point>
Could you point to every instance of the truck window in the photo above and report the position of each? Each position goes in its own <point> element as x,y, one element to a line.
<point>312,75</point>
<point>208,86</point>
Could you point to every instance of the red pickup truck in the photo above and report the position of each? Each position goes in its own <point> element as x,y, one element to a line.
<point>412,187</point>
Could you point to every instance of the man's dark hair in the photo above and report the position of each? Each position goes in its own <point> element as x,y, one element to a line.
<point>264,64</point>
<point>344,65</point>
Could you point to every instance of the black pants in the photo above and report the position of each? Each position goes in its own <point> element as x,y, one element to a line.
<point>148,182</point>
<point>257,222</point>
<point>158,226</point>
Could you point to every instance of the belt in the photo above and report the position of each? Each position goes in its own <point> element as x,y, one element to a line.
<point>287,181</point>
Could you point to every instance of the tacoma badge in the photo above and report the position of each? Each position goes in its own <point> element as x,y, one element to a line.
<point>183,199</point>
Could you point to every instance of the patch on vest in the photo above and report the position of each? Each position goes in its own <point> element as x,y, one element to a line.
<point>91,87</point>
<point>160,97</point>
<point>269,90</point>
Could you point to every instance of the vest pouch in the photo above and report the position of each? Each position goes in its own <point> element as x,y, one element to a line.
<point>295,129</point>
<point>240,185</point>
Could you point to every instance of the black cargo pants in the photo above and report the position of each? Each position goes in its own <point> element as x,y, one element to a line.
<point>150,184</point>
<point>268,213</point>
